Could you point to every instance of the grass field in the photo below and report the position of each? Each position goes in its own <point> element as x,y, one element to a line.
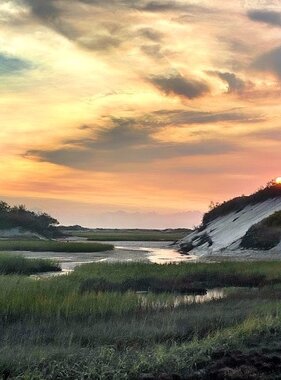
<point>133,235</point>
<point>54,246</point>
<point>58,329</point>
<point>12,264</point>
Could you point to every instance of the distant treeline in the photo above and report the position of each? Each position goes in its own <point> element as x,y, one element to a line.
<point>19,216</point>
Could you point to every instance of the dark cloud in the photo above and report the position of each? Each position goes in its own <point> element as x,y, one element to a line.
<point>160,6</point>
<point>148,6</point>
<point>266,16</point>
<point>176,84</point>
<point>270,62</point>
<point>165,6</point>
<point>49,14</point>
<point>125,144</point>
<point>10,65</point>
<point>44,9</point>
<point>235,84</point>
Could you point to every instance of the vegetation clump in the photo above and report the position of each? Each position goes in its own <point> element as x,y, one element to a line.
<point>12,264</point>
<point>19,216</point>
<point>264,235</point>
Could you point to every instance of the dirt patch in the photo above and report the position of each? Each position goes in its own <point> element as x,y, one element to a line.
<point>236,365</point>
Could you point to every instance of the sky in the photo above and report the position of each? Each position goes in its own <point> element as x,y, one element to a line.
<point>137,113</point>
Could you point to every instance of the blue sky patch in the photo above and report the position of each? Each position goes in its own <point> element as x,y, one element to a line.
<point>10,65</point>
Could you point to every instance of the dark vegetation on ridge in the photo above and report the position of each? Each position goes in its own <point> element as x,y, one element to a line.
<point>19,216</point>
<point>271,190</point>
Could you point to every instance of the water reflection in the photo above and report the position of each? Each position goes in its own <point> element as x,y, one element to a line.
<point>164,301</point>
<point>125,251</point>
<point>157,252</point>
<point>211,295</point>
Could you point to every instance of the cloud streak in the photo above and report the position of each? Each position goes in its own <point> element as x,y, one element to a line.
<point>124,145</point>
<point>182,117</point>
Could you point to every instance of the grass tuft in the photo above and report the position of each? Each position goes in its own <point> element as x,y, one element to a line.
<point>12,264</point>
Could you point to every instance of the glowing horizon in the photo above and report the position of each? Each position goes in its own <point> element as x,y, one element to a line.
<point>133,107</point>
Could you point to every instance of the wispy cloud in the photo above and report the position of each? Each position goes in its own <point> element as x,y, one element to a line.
<point>182,117</point>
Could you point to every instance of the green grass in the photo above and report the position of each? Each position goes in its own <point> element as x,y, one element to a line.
<point>133,235</point>
<point>53,329</point>
<point>54,246</point>
<point>12,264</point>
<point>193,274</point>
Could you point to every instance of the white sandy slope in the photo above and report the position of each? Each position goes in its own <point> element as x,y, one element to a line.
<point>227,231</point>
<point>18,232</point>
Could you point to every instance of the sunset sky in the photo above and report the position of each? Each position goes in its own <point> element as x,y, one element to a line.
<point>134,112</point>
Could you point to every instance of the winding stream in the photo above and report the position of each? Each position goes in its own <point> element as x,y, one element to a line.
<point>125,251</point>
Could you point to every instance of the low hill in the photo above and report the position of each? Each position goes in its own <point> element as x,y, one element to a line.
<point>17,221</point>
<point>235,224</point>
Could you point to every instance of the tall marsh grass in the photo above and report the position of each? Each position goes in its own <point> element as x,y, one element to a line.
<point>183,274</point>
<point>12,264</point>
<point>50,329</point>
<point>51,245</point>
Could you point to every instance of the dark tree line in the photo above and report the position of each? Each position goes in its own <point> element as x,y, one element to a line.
<point>19,216</point>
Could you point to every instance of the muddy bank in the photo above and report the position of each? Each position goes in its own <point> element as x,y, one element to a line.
<point>238,365</point>
<point>262,364</point>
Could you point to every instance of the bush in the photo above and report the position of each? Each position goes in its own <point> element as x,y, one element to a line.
<point>264,235</point>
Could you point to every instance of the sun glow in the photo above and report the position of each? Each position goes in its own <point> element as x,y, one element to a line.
<point>278,180</point>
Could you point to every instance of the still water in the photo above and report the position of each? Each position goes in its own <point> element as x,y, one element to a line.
<point>155,252</point>
<point>125,251</point>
